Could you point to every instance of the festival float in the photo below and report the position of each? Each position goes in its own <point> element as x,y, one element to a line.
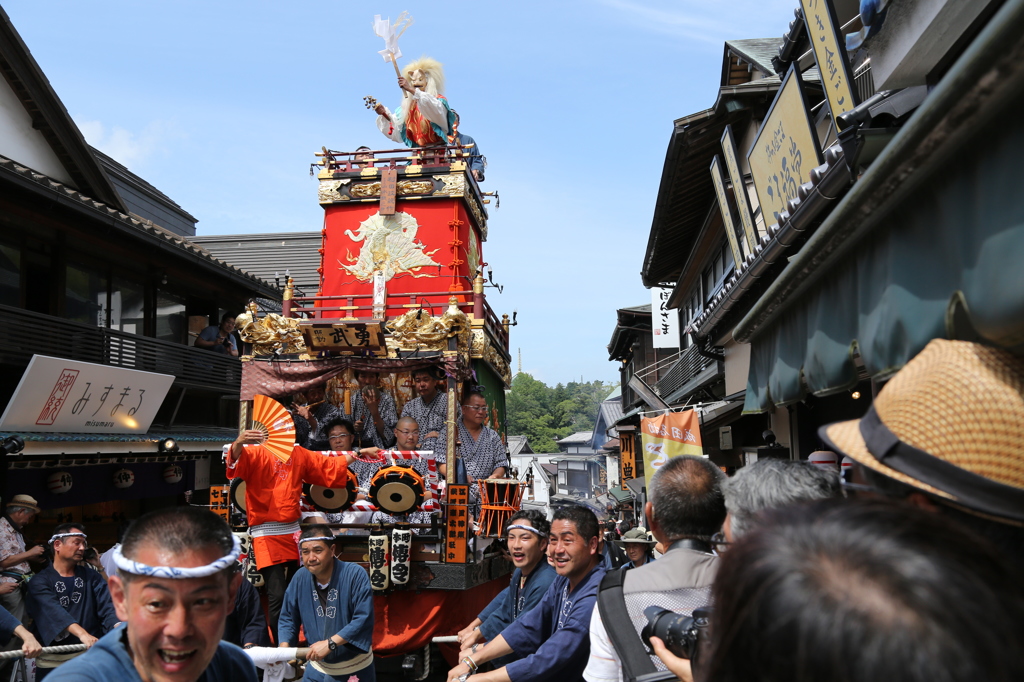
<point>402,288</point>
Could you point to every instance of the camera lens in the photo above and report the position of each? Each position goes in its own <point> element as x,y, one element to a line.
<point>676,630</point>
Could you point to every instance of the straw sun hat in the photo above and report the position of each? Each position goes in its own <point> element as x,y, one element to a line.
<point>950,423</point>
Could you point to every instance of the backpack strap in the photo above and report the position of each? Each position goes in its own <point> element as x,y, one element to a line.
<point>611,603</point>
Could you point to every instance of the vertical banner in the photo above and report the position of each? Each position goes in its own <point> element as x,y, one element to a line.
<point>664,320</point>
<point>627,459</point>
<point>830,55</point>
<point>669,435</point>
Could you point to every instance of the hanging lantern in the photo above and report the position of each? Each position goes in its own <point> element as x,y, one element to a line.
<point>173,474</point>
<point>378,560</point>
<point>124,478</point>
<point>59,482</point>
<point>825,459</point>
<point>401,554</point>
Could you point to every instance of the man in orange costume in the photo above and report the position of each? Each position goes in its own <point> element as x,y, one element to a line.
<point>272,492</point>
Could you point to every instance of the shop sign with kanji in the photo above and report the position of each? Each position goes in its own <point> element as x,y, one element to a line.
<point>829,47</point>
<point>343,337</point>
<point>58,395</point>
<point>785,150</point>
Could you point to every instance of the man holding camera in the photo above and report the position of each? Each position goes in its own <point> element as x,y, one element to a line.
<point>686,508</point>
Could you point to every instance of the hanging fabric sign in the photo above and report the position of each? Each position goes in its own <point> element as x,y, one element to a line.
<point>669,435</point>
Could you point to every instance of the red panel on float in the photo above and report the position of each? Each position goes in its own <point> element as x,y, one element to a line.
<point>413,248</point>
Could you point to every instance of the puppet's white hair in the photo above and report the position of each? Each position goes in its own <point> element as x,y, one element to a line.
<point>433,70</point>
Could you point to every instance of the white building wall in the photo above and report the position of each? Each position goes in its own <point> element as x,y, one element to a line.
<point>21,142</point>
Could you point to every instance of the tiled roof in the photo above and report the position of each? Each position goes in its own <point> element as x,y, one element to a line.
<point>142,228</point>
<point>269,254</point>
<point>578,437</point>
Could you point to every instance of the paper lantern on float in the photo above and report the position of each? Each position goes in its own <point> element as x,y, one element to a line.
<point>124,478</point>
<point>173,474</point>
<point>59,482</point>
<point>846,468</point>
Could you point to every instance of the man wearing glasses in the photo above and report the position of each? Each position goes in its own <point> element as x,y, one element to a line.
<point>407,437</point>
<point>481,451</point>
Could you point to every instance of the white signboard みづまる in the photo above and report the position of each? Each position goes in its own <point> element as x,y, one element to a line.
<point>58,395</point>
<point>664,320</point>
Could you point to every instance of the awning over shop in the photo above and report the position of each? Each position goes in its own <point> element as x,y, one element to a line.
<point>620,495</point>
<point>928,243</point>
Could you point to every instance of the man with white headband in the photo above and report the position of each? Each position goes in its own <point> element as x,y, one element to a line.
<point>527,536</point>
<point>177,574</point>
<point>333,602</point>
<point>69,603</point>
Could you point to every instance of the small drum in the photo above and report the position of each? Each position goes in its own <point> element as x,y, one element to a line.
<point>236,494</point>
<point>332,500</point>
<point>397,490</point>
<point>500,498</point>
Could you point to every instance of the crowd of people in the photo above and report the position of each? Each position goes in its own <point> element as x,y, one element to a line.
<point>909,570</point>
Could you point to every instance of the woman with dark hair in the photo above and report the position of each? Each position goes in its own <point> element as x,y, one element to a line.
<point>861,591</point>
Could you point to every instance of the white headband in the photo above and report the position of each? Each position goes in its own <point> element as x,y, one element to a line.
<point>523,526</point>
<point>173,572</point>
<point>325,538</point>
<point>58,536</point>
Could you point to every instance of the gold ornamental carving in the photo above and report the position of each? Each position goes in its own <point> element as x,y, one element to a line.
<point>407,187</point>
<point>330,190</point>
<point>483,349</point>
<point>478,214</point>
<point>417,330</point>
<point>365,190</point>
<point>271,334</point>
<point>454,185</point>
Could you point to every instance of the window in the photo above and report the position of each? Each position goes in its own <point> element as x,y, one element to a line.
<point>170,317</point>
<point>10,275</point>
<point>127,306</point>
<point>717,271</point>
<point>85,296</point>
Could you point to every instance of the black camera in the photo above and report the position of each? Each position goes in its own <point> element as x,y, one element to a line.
<point>681,634</point>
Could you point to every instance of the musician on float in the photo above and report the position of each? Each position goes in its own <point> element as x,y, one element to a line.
<point>333,602</point>
<point>527,536</point>
<point>430,410</point>
<point>481,452</point>
<point>407,435</point>
<point>272,492</point>
<point>316,412</point>
<point>424,118</point>
<point>373,411</point>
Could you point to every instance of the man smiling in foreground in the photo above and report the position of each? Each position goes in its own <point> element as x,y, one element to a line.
<point>175,585</point>
<point>553,640</point>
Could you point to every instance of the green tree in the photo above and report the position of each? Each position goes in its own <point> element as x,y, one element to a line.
<point>544,414</point>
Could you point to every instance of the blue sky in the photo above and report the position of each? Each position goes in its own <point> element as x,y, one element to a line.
<point>222,104</point>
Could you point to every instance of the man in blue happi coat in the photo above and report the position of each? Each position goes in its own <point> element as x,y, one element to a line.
<point>177,575</point>
<point>333,602</point>
<point>553,640</point>
<point>68,602</point>
<point>526,534</point>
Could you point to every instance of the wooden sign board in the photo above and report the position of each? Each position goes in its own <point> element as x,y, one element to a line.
<point>830,55</point>
<point>342,337</point>
<point>785,150</point>
<point>627,459</point>
<point>723,204</point>
<point>457,530</point>
<point>739,188</point>
<point>388,191</point>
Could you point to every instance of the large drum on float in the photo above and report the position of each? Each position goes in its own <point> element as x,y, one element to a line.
<point>332,500</point>
<point>397,490</point>
<point>236,494</point>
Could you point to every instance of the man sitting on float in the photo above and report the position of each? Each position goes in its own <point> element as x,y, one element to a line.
<point>424,119</point>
